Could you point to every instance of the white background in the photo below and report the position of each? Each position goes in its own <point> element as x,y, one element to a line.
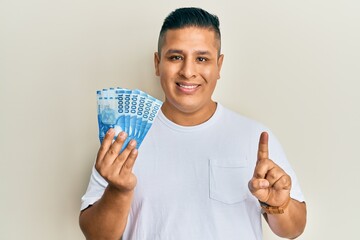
<point>293,65</point>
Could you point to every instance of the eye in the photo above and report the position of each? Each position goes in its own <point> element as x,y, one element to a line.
<point>176,58</point>
<point>202,59</point>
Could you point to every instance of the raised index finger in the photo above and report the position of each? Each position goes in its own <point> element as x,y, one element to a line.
<point>263,150</point>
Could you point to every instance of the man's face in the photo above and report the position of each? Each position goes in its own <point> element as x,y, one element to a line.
<point>188,67</point>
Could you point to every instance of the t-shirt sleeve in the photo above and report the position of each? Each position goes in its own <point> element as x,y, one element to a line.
<point>95,190</point>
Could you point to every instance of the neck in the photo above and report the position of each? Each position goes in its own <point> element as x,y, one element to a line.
<point>189,118</point>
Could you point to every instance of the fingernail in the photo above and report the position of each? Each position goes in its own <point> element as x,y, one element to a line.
<point>264,184</point>
<point>134,151</point>
<point>132,142</point>
<point>122,135</point>
<point>110,131</point>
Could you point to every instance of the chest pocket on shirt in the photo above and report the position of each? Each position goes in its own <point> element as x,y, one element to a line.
<point>229,180</point>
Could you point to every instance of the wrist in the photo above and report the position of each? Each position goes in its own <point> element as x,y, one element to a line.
<point>115,192</point>
<point>266,208</point>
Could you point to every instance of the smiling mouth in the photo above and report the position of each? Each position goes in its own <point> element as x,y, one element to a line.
<point>188,86</point>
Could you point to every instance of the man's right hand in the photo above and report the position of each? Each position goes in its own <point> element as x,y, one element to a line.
<point>116,168</point>
<point>107,218</point>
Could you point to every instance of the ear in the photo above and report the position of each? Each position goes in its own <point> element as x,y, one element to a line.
<point>219,64</point>
<point>157,62</point>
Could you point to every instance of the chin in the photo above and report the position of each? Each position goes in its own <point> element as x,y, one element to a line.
<point>189,107</point>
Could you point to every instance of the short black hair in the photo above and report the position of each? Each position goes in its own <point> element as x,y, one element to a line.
<point>190,17</point>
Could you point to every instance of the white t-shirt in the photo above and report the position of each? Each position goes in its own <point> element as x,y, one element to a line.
<point>193,181</point>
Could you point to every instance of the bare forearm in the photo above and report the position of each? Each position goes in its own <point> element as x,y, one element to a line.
<point>107,218</point>
<point>291,223</point>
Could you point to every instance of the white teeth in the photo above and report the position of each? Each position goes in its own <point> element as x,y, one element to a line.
<point>188,86</point>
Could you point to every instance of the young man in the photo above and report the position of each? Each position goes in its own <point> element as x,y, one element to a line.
<point>201,172</point>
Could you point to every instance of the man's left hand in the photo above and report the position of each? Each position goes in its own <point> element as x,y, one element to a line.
<point>270,183</point>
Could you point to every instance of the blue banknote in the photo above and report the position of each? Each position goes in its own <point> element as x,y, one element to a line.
<point>131,111</point>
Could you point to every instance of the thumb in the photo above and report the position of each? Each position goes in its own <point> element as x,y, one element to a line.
<point>256,184</point>
<point>259,188</point>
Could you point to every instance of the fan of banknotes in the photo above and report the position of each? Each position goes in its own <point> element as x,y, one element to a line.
<point>132,111</point>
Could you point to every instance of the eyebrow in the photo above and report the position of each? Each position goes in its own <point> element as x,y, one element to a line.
<point>198,52</point>
<point>171,51</point>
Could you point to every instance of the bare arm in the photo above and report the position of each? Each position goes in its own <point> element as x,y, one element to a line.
<point>291,223</point>
<point>272,185</point>
<point>107,218</point>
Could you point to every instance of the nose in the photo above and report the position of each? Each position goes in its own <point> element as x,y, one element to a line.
<point>188,69</point>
